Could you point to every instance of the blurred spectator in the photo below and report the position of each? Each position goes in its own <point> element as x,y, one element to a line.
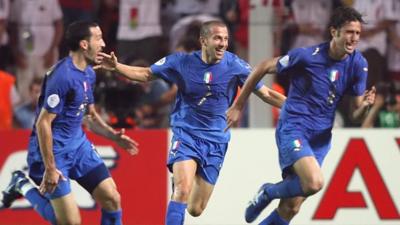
<point>394,47</point>
<point>74,11</point>
<point>385,112</point>
<point>154,105</point>
<point>9,98</point>
<point>189,41</point>
<point>229,13</point>
<point>139,30</point>
<point>4,48</point>
<point>186,29</point>
<point>379,16</point>
<point>24,115</point>
<point>242,30</point>
<point>108,20</point>
<point>36,29</point>
<point>185,8</point>
<point>311,18</point>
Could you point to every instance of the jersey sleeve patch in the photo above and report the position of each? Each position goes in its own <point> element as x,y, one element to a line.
<point>161,61</point>
<point>53,100</point>
<point>284,61</point>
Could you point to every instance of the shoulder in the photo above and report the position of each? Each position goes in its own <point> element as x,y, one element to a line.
<point>172,58</point>
<point>234,61</point>
<point>358,57</point>
<point>357,60</point>
<point>59,72</point>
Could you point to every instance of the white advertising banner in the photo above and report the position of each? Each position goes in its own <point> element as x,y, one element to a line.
<point>361,171</point>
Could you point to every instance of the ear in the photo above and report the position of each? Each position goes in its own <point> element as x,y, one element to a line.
<point>333,31</point>
<point>84,44</point>
<point>202,41</point>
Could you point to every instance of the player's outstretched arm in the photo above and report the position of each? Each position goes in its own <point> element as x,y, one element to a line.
<point>233,113</point>
<point>135,73</point>
<point>270,96</point>
<point>96,124</point>
<point>363,104</point>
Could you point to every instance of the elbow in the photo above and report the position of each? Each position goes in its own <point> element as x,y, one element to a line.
<point>41,126</point>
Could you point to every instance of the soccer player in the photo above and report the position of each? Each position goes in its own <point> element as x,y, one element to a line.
<point>207,82</point>
<point>320,76</point>
<point>59,149</point>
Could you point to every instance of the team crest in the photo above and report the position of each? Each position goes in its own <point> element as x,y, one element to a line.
<point>208,77</point>
<point>334,75</point>
<point>284,61</point>
<point>296,145</point>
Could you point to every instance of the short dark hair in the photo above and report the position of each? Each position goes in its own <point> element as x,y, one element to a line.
<point>76,32</point>
<point>342,15</point>
<point>205,29</point>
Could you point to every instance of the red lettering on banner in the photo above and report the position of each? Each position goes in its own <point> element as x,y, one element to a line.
<point>356,156</point>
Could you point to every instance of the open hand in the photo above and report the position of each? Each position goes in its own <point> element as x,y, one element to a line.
<point>232,116</point>
<point>107,61</point>
<point>126,142</point>
<point>369,96</point>
<point>50,181</point>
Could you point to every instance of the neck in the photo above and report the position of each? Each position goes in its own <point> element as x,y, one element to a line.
<point>335,53</point>
<point>78,60</point>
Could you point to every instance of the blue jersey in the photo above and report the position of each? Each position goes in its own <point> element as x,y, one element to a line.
<point>205,91</point>
<point>318,82</point>
<point>66,91</point>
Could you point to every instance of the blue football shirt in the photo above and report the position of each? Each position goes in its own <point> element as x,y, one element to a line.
<point>66,91</point>
<point>205,91</point>
<point>318,82</point>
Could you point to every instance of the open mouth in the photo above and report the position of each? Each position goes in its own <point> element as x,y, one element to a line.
<point>350,46</point>
<point>219,51</point>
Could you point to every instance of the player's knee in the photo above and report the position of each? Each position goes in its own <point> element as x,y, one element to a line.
<point>195,211</point>
<point>314,185</point>
<point>289,211</point>
<point>111,200</point>
<point>182,192</point>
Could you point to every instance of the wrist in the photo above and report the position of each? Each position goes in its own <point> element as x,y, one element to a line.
<point>50,167</point>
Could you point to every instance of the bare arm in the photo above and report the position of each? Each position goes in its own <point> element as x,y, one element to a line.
<point>362,105</point>
<point>45,136</point>
<point>267,66</point>
<point>135,73</point>
<point>270,96</point>
<point>373,112</point>
<point>96,124</point>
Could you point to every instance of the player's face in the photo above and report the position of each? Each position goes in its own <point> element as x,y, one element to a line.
<point>347,37</point>
<point>96,45</point>
<point>216,43</point>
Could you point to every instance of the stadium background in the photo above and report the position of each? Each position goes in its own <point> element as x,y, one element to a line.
<point>361,171</point>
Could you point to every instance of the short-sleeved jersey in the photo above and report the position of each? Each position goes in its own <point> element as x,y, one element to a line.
<point>66,91</point>
<point>205,91</point>
<point>318,82</point>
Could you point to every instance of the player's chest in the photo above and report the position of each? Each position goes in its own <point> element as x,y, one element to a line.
<point>79,93</point>
<point>327,76</point>
<point>206,80</point>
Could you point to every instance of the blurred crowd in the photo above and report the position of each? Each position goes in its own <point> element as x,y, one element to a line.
<point>143,31</point>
